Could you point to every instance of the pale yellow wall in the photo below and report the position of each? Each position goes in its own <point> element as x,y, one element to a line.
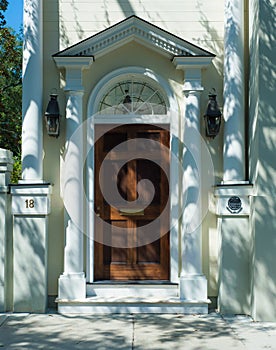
<point>200,22</point>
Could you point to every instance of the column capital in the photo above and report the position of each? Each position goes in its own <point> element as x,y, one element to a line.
<point>192,62</point>
<point>192,67</point>
<point>73,67</point>
<point>69,62</point>
<point>192,80</point>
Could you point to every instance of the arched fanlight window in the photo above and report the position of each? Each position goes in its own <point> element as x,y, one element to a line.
<point>132,96</point>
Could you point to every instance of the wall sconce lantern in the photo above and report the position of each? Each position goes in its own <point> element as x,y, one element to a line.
<point>52,116</point>
<point>212,117</point>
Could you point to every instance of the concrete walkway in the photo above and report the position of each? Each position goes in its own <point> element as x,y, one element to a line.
<point>155,332</point>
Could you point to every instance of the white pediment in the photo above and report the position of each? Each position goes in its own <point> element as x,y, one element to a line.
<point>134,29</point>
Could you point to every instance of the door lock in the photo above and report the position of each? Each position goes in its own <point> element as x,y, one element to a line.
<point>98,211</point>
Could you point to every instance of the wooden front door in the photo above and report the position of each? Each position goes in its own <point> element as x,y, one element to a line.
<point>127,247</point>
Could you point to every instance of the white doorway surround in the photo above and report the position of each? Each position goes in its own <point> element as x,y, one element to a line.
<point>186,291</point>
<point>170,118</point>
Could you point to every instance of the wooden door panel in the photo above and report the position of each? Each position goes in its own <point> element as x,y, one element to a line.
<point>113,139</point>
<point>149,254</point>
<point>119,175</point>
<point>147,169</point>
<point>122,259</point>
<point>114,254</point>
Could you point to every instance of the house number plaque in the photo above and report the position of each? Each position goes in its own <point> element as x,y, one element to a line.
<point>25,205</point>
<point>30,203</point>
<point>30,199</point>
<point>234,205</point>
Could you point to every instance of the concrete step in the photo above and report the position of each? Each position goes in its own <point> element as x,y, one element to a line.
<point>153,305</point>
<point>130,290</point>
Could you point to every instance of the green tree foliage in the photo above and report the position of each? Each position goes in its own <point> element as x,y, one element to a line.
<point>10,89</point>
<point>3,8</point>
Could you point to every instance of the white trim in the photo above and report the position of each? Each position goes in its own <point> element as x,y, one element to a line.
<point>244,189</point>
<point>133,29</point>
<point>126,72</point>
<point>131,119</point>
<point>172,119</point>
<point>73,62</point>
<point>192,62</point>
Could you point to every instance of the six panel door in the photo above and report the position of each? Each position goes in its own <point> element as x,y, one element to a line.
<point>131,239</point>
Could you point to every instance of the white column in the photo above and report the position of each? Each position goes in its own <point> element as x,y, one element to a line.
<point>73,184</point>
<point>233,111</point>
<point>191,220</point>
<point>72,282</point>
<point>32,136</point>
<point>193,284</point>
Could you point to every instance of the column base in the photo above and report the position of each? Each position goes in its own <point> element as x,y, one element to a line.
<point>193,288</point>
<point>72,286</point>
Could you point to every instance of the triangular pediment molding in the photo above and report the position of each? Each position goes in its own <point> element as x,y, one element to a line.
<point>134,29</point>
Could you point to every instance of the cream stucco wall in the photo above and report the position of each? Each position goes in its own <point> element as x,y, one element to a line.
<point>66,23</point>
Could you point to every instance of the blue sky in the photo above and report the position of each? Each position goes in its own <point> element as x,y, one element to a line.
<point>14,14</point>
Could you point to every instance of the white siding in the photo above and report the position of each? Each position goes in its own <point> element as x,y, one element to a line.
<point>198,22</point>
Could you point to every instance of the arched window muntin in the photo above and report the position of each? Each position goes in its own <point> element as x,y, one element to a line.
<point>135,94</point>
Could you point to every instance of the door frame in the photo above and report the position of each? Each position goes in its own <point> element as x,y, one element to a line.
<point>171,119</point>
